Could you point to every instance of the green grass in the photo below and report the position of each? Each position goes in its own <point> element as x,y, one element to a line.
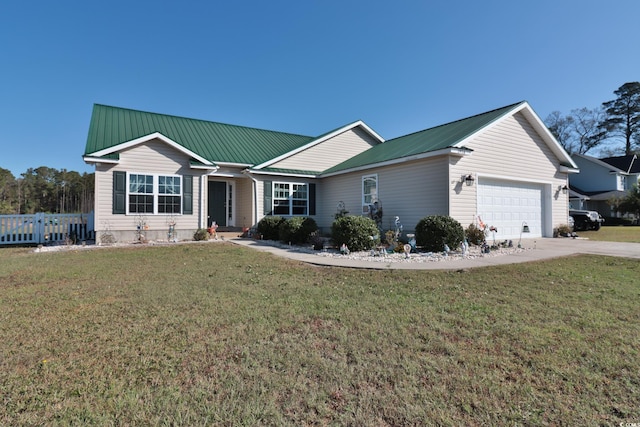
<point>222,335</point>
<point>613,234</point>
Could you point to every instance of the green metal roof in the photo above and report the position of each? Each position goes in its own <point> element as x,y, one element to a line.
<point>216,142</point>
<point>433,139</point>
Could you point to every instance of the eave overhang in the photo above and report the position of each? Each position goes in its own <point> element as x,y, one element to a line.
<point>450,151</point>
<point>279,173</point>
<point>98,160</point>
<point>234,165</point>
<point>568,169</point>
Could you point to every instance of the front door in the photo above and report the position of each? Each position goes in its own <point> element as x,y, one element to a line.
<point>217,209</point>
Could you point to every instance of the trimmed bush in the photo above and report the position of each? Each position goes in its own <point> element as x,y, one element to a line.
<point>201,234</point>
<point>297,229</point>
<point>433,232</point>
<point>475,235</point>
<point>269,227</point>
<point>355,232</point>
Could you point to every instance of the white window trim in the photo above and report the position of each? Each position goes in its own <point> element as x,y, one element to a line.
<point>231,204</point>
<point>155,194</point>
<point>622,182</point>
<point>365,205</point>
<point>290,198</point>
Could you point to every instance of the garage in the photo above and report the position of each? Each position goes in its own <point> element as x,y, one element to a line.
<point>508,205</point>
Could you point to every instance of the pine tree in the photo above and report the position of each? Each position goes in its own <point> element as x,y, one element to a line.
<point>623,115</point>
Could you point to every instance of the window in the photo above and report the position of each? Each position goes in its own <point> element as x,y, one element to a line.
<point>140,193</point>
<point>169,194</point>
<point>299,199</point>
<point>290,199</point>
<point>369,191</point>
<point>622,183</point>
<point>155,194</point>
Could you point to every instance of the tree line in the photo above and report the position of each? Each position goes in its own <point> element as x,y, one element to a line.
<point>46,189</point>
<point>615,123</point>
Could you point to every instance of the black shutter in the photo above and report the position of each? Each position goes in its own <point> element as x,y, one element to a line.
<point>187,195</point>
<point>266,201</point>
<point>119,192</point>
<point>312,199</point>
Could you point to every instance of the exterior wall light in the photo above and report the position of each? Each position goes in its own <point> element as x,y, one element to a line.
<point>469,180</point>
<point>524,229</point>
<point>565,189</point>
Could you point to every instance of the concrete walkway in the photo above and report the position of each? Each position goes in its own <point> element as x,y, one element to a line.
<point>538,249</point>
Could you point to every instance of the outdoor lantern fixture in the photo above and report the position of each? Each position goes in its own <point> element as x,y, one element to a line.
<point>469,179</point>
<point>524,229</point>
<point>565,189</point>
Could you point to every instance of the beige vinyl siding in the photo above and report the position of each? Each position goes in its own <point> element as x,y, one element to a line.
<point>329,153</point>
<point>411,191</point>
<point>510,150</point>
<point>152,158</point>
<point>244,202</point>
<point>346,188</point>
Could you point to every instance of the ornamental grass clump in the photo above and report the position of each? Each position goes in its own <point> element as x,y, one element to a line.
<point>359,233</point>
<point>563,230</point>
<point>297,229</point>
<point>436,231</point>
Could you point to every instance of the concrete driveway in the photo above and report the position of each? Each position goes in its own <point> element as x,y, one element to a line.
<point>538,249</point>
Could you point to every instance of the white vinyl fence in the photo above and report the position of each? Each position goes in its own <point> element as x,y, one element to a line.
<point>42,228</point>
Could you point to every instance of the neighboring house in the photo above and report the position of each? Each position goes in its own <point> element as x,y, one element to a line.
<point>503,166</point>
<point>601,180</point>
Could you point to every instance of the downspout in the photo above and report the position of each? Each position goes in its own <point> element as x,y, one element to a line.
<point>255,196</point>
<point>203,185</point>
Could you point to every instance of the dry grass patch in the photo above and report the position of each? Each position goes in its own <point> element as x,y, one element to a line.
<point>221,334</point>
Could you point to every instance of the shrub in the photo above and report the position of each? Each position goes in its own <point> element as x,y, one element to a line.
<point>297,229</point>
<point>317,241</point>
<point>355,232</point>
<point>433,232</point>
<point>475,235</point>
<point>107,238</point>
<point>562,230</point>
<point>269,227</point>
<point>342,211</point>
<point>201,234</point>
<point>610,220</point>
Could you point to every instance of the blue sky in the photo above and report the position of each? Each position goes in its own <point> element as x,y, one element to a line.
<point>299,66</point>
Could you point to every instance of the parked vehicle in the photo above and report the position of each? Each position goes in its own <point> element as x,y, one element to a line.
<point>586,220</point>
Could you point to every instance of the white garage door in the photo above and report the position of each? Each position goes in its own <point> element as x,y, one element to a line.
<point>508,205</point>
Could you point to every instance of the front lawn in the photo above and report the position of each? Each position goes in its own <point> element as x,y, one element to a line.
<point>218,334</point>
<point>629,234</point>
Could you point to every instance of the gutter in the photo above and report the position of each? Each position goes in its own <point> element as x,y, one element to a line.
<point>452,151</point>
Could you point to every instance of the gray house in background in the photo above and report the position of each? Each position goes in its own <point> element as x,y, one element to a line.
<point>502,167</point>
<point>600,180</point>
